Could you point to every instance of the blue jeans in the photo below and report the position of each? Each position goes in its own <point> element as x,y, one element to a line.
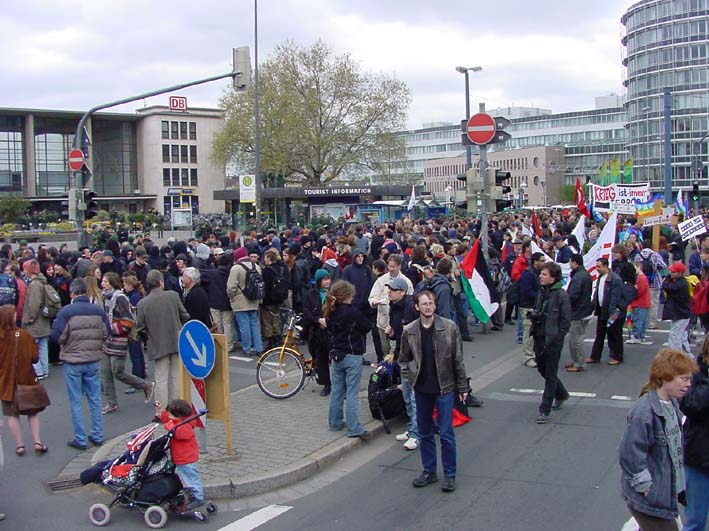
<point>345,376</point>
<point>410,401</point>
<point>640,322</point>
<point>520,323</point>
<point>84,378</point>
<point>250,330</point>
<point>190,479</point>
<point>42,366</point>
<point>697,482</point>
<point>424,418</point>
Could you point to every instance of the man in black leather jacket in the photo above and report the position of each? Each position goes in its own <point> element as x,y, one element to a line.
<point>550,324</point>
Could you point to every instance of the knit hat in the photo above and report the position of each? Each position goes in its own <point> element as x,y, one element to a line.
<point>677,267</point>
<point>321,274</point>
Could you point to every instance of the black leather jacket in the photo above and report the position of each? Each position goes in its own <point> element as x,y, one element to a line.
<point>553,306</point>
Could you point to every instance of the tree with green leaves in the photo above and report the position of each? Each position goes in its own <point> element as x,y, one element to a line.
<point>13,208</point>
<point>321,118</point>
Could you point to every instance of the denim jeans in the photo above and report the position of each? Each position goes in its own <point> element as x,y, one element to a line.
<point>84,378</point>
<point>697,482</point>
<point>424,418</point>
<point>42,366</point>
<point>640,316</point>
<point>250,330</point>
<point>410,401</point>
<point>190,479</point>
<point>678,335</point>
<point>345,376</point>
<point>520,324</point>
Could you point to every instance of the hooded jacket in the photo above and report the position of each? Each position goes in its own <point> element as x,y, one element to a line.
<point>347,327</point>
<point>361,277</point>
<point>553,303</point>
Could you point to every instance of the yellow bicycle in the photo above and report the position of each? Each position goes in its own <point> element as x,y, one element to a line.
<point>281,371</point>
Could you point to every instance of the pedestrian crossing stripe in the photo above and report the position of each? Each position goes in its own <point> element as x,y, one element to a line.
<point>240,358</point>
<point>256,519</point>
<point>577,394</point>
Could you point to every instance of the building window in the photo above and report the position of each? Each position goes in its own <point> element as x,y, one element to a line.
<point>165,153</point>
<point>183,130</point>
<point>175,153</point>
<point>173,130</point>
<point>175,177</point>
<point>183,154</point>
<point>193,174</point>
<point>193,130</point>
<point>193,154</point>
<point>185,177</point>
<point>165,129</point>
<point>166,176</point>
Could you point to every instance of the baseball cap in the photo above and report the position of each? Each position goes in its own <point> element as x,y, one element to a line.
<point>397,283</point>
<point>677,267</point>
<point>218,251</point>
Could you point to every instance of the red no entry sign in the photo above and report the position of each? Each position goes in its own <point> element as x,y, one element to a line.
<point>481,128</point>
<point>76,159</point>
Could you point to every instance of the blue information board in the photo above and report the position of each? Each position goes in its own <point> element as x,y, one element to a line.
<point>196,348</point>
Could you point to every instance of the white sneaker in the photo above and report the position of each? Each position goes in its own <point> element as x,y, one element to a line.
<point>403,436</point>
<point>645,342</point>
<point>666,344</point>
<point>412,444</point>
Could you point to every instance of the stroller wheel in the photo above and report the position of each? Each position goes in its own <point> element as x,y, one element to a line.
<point>99,514</point>
<point>212,508</point>
<point>155,517</point>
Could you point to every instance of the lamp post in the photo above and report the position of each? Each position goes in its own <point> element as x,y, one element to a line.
<point>448,191</point>
<point>522,186</point>
<point>464,70</point>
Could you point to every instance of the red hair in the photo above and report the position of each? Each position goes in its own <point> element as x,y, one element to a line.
<point>666,366</point>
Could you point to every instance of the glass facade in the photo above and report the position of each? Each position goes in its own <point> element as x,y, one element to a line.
<point>115,162</point>
<point>11,154</point>
<point>667,46</point>
<point>53,138</point>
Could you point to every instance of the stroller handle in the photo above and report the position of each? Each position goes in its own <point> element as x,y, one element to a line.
<point>189,419</point>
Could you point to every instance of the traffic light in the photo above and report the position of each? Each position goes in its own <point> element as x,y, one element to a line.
<point>242,68</point>
<point>500,178</point>
<point>695,191</point>
<point>496,179</point>
<point>90,204</point>
<point>501,204</point>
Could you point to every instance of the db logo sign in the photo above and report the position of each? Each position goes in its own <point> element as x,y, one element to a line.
<point>178,103</point>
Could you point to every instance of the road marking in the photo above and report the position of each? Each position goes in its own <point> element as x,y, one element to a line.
<point>657,331</point>
<point>578,394</point>
<point>257,518</point>
<point>240,358</point>
<point>581,402</point>
<point>621,397</point>
<point>582,395</point>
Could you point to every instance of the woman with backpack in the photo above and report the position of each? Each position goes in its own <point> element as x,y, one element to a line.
<point>275,277</point>
<point>115,348</point>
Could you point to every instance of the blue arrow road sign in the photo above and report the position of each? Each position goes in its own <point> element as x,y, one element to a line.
<point>196,348</point>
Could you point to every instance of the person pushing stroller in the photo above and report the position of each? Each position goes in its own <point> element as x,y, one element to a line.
<point>184,448</point>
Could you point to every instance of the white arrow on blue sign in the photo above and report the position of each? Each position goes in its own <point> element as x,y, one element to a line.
<point>196,348</point>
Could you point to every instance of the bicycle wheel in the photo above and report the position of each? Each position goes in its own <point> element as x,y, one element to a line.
<point>278,377</point>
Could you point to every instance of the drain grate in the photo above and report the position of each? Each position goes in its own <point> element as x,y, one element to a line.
<point>62,483</point>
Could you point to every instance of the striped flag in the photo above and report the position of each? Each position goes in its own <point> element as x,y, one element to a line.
<point>478,285</point>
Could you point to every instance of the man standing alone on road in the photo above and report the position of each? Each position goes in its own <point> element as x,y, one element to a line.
<point>431,359</point>
<point>80,330</point>
<point>608,304</point>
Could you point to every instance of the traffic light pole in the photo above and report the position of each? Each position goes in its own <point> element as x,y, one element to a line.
<point>698,169</point>
<point>487,190</point>
<point>79,137</point>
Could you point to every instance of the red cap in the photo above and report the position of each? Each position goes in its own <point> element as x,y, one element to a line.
<point>677,267</point>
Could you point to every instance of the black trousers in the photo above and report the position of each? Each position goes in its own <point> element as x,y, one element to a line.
<point>615,338</point>
<point>547,359</point>
<point>461,315</point>
<point>509,308</point>
<point>318,348</point>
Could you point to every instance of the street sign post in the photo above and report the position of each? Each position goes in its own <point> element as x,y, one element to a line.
<point>196,349</point>
<point>76,160</point>
<point>481,129</point>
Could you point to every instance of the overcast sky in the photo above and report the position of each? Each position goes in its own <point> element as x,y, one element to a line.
<point>554,54</point>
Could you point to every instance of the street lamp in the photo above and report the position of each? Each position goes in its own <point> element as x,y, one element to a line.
<point>464,70</point>
<point>448,191</point>
<point>522,186</point>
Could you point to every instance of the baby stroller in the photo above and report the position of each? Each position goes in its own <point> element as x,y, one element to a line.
<point>144,478</point>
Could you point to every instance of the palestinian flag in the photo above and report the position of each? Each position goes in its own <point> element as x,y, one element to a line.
<point>478,285</point>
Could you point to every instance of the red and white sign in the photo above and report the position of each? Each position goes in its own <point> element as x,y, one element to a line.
<point>76,160</point>
<point>178,103</point>
<point>481,129</point>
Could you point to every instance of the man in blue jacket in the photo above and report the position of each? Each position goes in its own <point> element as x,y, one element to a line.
<point>528,291</point>
<point>80,330</point>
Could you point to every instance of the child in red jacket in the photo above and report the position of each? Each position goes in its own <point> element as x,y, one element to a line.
<point>183,448</point>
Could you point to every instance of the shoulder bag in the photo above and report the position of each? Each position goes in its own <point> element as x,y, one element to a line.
<point>28,398</point>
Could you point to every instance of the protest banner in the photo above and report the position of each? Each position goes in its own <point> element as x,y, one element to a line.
<point>619,198</point>
<point>691,228</point>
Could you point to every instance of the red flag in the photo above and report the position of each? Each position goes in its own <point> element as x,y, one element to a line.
<point>535,224</point>
<point>580,199</point>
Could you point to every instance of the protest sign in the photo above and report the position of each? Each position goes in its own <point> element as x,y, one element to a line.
<point>691,228</point>
<point>619,197</point>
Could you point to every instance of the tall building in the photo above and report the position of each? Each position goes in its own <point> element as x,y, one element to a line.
<point>666,45</point>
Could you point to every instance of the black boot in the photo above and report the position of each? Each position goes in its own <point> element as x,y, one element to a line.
<point>325,391</point>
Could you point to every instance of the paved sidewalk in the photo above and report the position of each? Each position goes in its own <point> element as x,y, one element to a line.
<point>276,443</point>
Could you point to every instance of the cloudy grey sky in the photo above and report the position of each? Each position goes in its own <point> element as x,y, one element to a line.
<point>73,54</point>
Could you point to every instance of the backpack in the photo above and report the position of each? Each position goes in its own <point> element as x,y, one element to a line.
<point>8,290</point>
<point>513,293</point>
<point>386,400</point>
<point>699,303</point>
<point>51,302</point>
<point>254,286</point>
<point>504,282</point>
<point>279,286</point>
<point>647,267</point>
